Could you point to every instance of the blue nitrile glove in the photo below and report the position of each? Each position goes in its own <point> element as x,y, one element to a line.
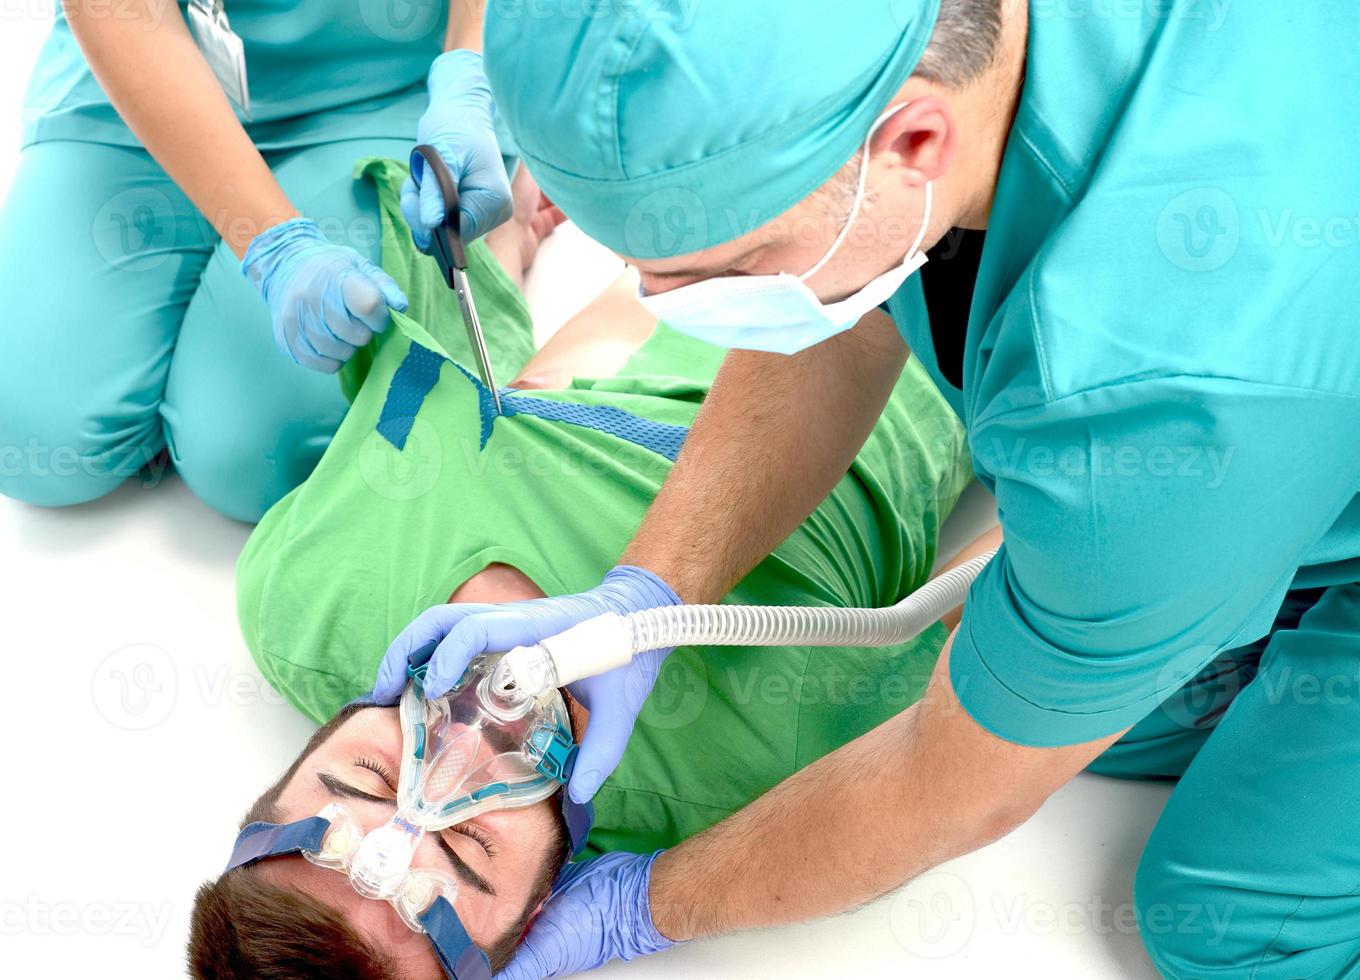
<point>460,124</point>
<point>599,911</point>
<point>467,630</point>
<point>326,300</point>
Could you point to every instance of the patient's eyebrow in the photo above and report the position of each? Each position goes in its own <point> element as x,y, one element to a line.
<point>464,870</point>
<point>338,787</point>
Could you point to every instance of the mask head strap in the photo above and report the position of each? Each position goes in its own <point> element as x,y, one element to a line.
<point>579,818</point>
<point>261,840</point>
<point>458,955</point>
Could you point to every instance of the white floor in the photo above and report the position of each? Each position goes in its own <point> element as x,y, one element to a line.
<point>138,729</point>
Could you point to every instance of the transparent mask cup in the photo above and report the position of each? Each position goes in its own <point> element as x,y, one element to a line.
<point>471,751</point>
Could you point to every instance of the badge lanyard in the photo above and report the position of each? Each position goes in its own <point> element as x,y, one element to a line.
<point>223,49</point>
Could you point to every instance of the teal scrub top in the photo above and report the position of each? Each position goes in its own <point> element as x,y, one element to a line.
<point>318,72</point>
<point>1161,375</point>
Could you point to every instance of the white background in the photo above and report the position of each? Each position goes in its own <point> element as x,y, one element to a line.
<point>136,730</point>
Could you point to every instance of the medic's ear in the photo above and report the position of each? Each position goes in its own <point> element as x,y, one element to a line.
<point>917,143</point>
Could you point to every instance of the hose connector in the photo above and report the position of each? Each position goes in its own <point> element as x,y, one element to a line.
<point>591,647</point>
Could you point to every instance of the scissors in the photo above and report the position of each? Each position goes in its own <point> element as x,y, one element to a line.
<point>446,245</point>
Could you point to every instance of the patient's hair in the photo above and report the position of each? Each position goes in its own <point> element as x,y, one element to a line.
<point>244,927</point>
<point>963,43</point>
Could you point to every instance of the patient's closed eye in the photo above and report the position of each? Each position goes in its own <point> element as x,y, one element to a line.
<point>389,782</point>
<point>477,834</point>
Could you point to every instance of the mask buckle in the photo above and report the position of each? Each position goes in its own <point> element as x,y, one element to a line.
<point>552,751</point>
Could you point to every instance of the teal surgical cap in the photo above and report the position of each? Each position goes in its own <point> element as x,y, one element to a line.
<point>662,128</point>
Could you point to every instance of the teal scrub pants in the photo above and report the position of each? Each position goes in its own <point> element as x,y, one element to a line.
<point>1253,870</point>
<point>129,329</point>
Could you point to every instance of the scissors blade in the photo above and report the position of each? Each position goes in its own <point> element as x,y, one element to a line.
<point>474,332</point>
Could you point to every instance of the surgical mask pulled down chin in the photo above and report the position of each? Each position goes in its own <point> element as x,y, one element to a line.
<point>779,313</point>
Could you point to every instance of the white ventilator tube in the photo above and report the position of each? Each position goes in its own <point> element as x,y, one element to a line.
<point>611,640</point>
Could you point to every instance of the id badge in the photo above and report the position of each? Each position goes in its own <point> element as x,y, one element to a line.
<point>223,50</point>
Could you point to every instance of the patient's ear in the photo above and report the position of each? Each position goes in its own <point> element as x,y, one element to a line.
<point>533,917</point>
<point>578,713</point>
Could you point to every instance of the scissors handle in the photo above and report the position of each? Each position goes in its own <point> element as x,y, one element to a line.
<point>448,237</point>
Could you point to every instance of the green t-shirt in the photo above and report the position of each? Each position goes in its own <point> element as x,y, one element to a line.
<point>377,534</point>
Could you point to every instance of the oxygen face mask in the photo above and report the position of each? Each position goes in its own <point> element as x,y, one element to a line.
<point>469,752</point>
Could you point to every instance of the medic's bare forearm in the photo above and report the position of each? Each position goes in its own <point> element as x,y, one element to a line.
<point>774,436</point>
<point>922,788</point>
<point>147,62</point>
<point>989,540</point>
<point>465,25</point>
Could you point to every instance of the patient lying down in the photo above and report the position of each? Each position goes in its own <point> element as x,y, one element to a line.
<point>339,567</point>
